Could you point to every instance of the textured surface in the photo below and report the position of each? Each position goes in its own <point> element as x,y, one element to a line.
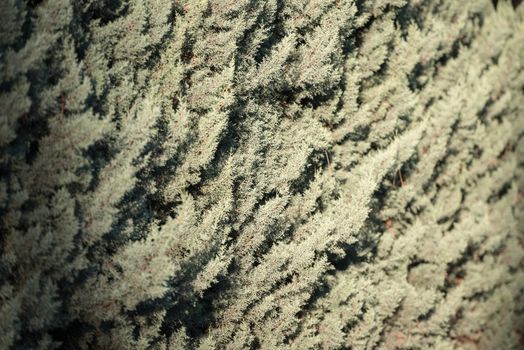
<point>294,174</point>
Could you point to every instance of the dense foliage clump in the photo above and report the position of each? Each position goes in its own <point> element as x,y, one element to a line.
<point>243,174</point>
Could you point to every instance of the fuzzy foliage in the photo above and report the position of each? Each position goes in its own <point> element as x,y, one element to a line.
<point>296,174</point>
